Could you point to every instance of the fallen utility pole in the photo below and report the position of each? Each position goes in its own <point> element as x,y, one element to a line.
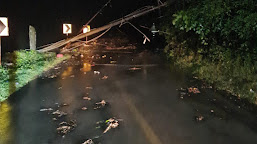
<point>120,21</point>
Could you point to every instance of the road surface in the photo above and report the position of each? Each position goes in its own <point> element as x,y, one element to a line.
<point>141,90</point>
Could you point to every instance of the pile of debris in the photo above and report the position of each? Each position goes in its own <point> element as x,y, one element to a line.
<point>100,104</point>
<point>188,92</point>
<point>66,127</point>
<point>111,123</point>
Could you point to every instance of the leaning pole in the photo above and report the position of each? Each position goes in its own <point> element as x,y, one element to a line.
<point>120,21</point>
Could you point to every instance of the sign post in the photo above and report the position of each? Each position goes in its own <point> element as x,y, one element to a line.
<point>4,31</point>
<point>86,29</point>
<point>67,29</point>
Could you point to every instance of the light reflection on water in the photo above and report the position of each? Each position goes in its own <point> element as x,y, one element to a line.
<point>6,133</point>
<point>86,67</point>
<point>67,72</point>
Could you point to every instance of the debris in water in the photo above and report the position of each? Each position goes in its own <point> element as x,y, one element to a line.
<point>135,68</point>
<point>59,113</point>
<point>72,76</point>
<point>43,110</point>
<point>84,108</point>
<point>193,90</point>
<point>96,72</point>
<point>66,127</point>
<point>104,56</point>
<point>90,141</point>
<point>63,129</point>
<point>199,118</point>
<point>104,77</point>
<point>60,88</point>
<point>54,119</point>
<point>63,123</point>
<point>87,98</point>
<point>64,105</point>
<point>183,93</point>
<point>89,88</point>
<point>113,62</point>
<point>103,103</point>
<point>212,111</point>
<point>112,123</point>
<point>53,76</point>
<point>182,89</point>
<point>100,104</point>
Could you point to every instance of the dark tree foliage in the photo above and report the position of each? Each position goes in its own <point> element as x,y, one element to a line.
<point>227,23</point>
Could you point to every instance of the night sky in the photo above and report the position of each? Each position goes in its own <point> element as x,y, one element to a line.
<point>47,16</point>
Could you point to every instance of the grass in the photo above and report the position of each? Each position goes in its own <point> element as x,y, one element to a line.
<point>235,74</point>
<point>26,66</point>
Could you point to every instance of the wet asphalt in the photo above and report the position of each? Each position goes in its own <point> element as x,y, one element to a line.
<point>141,90</point>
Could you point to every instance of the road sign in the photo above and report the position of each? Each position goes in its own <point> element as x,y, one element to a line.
<point>86,29</point>
<point>67,29</point>
<point>4,30</point>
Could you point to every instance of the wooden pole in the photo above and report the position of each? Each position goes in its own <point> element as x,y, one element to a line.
<point>97,30</point>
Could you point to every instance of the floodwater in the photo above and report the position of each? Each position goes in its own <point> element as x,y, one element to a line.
<point>141,91</point>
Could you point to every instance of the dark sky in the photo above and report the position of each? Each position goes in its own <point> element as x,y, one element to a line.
<point>47,17</point>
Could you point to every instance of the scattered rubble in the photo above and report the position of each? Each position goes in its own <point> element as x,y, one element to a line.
<point>59,113</point>
<point>87,98</point>
<point>112,123</point>
<point>103,103</point>
<point>84,108</point>
<point>104,77</point>
<point>66,127</point>
<point>96,72</point>
<point>90,88</point>
<point>100,104</point>
<point>199,118</point>
<point>64,105</point>
<point>48,109</point>
<point>89,141</point>
<point>193,90</point>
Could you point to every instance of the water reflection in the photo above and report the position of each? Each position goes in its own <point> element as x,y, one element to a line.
<point>86,67</point>
<point>6,133</point>
<point>67,72</point>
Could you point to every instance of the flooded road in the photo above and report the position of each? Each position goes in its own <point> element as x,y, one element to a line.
<point>140,89</point>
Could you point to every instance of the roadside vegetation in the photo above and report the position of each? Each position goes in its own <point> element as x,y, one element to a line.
<point>216,41</point>
<point>21,67</point>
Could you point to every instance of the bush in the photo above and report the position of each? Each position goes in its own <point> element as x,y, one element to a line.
<point>232,24</point>
<point>27,65</point>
